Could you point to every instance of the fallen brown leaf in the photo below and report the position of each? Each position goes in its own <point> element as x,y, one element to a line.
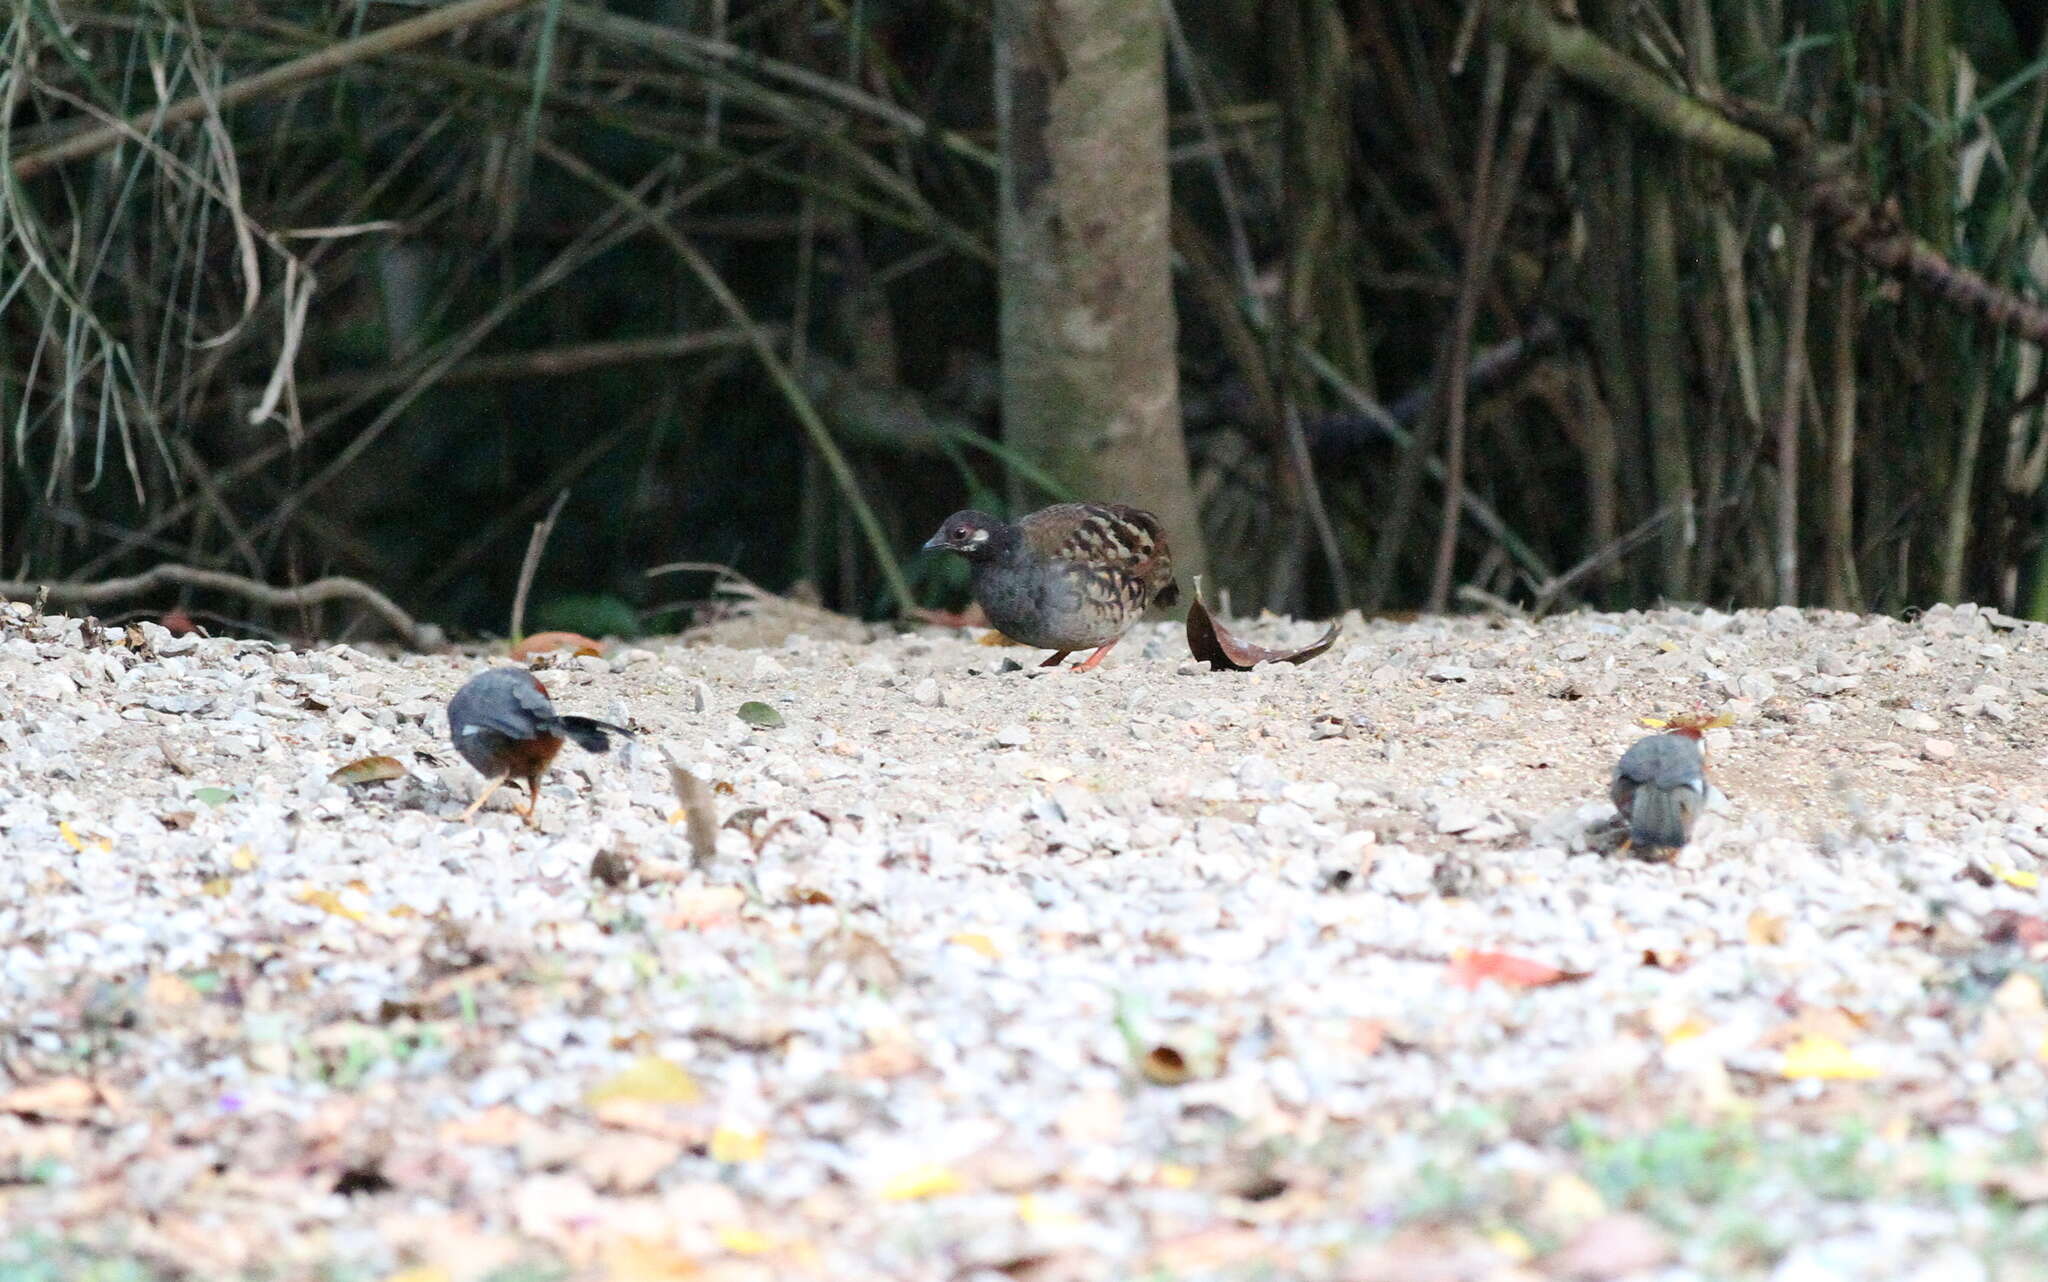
<point>368,770</point>
<point>1211,643</point>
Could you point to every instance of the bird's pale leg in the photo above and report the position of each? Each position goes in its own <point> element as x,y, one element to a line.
<point>1093,659</point>
<point>532,803</point>
<point>474,806</point>
<point>1054,661</point>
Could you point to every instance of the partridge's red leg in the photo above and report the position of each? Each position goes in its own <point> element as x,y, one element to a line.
<point>1095,658</point>
<point>532,802</point>
<point>477,805</point>
<point>1054,661</point>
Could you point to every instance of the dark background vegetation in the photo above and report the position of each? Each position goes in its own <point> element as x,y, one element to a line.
<point>487,325</point>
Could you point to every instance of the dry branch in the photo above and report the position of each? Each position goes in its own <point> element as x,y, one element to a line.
<point>333,588</point>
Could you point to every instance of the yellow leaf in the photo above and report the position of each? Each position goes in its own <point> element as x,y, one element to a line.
<point>677,815</point>
<point>730,1145</point>
<point>1654,723</point>
<point>1570,1200</point>
<point>1512,1244</point>
<point>1765,930</point>
<point>242,860</point>
<point>639,1260</point>
<point>741,1240</point>
<point>2016,876</point>
<point>218,887</point>
<point>405,911</point>
<point>78,843</point>
<point>648,1080</point>
<point>1823,1057</point>
<point>425,1273</point>
<point>1175,1176</point>
<point>977,943</point>
<point>1685,1032</point>
<point>328,902</point>
<point>1033,1211</point>
<point>921,1182</point>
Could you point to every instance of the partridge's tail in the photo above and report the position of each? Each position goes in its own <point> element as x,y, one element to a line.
<point>1661,816</point>
<point>591,734</point>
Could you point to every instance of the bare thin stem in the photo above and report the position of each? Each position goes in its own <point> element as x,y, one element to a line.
<point>535,546</point>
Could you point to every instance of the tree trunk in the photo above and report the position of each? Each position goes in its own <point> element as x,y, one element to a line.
<point>1091,390</point>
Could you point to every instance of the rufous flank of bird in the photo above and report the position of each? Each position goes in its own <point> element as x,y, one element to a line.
<point>1074,576</point>
<point>1660,783</point>
<point>504,724</point>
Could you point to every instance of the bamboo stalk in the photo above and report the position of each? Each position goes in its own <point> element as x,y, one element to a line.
<point>1786,547</point>
<point>1450,387</point>
<point>1841,588</point>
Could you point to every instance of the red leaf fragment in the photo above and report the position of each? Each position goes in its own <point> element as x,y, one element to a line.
<point>1211,643</point>
<point>1468,969</point>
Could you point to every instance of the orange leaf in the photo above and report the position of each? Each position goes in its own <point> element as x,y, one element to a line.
<point>368,770</point>
<point>543,642</point>
<point>1468,969</point>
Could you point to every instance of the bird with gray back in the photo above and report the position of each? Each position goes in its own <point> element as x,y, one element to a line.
<point>1659,786</point>
<point>1074,576</point>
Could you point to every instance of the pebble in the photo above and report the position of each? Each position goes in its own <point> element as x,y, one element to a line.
<point>913,950</point>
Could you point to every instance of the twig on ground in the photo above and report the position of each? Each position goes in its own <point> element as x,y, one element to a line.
<point>333,588</point>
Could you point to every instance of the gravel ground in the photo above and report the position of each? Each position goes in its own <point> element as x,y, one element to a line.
<point>1153,972</point>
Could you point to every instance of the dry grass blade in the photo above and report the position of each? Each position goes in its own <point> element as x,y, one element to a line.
<point>276,79</point>
<point>700,812</point>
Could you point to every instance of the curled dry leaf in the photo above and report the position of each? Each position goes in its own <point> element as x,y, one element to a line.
<point>1164,1066</point>
<point>1211,643</point>
<point>1470,969</point>
<point>756,713</point>
<point>548,642</point>
<point>699,811</point>
<point>368,770</point>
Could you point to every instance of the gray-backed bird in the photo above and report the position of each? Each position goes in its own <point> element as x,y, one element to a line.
<point>1074,576</point>
<point>503,723</point>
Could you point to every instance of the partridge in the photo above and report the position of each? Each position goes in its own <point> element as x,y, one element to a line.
<point>1074,576</point>
<point>1659,786</point>
<point>503,723</point>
